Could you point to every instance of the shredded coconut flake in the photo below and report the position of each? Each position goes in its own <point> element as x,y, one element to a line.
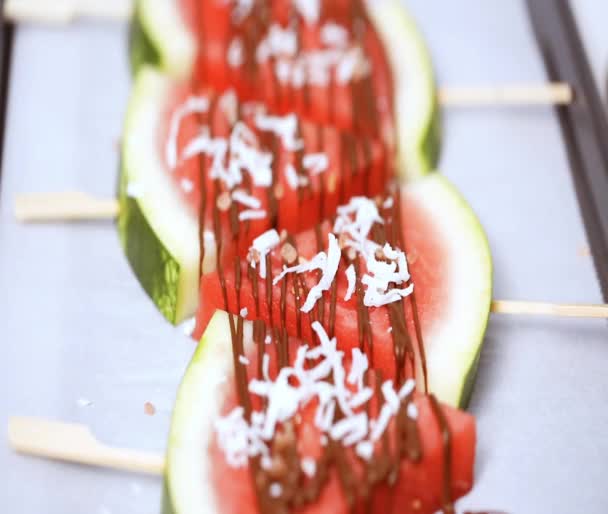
<point>365,450</point>
<point>407,388</point>
<point>240,11</point>
<point>316,163</point>
<point>252,214</point>
<point>293,179</point>
<point>351,277</point>
<point>243,360</point>
<point>282,70</point>
<point>276,490</point>
<point>193,105</point>
<point>326,262</point>
<point>263,245</point>
<point>310,10</point>
<point>359,366</point>
<point>244,312</point>
<point>245,199</point>
<point>350,430</point>
<point>235,53</point>
<point>84,402</point>
<point>309,466</point>
<point>278,42</point>
<point>353,65</point>
<point>392,400</point>
<point>412,411</point>
<point>285,127</point>
<point>187,185</point>
<point>334,35</point>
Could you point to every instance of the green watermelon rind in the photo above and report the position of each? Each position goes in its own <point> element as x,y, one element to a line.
<point>167,43</point>
<point>416,102</point>
<point>452,369</point>
<point>192,428</point>
<point>158,232</point>
<point>142,51</point>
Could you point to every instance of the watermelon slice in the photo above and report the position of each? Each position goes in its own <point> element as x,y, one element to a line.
<point>418,460</point>
<point>358,65</point>
<point>451,273</point>
<point>287,174</point>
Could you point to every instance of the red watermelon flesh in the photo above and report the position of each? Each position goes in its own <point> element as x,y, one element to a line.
<point>307,66</point>
<point>428,265</point>
<point>421,486</point>
<point>354,164</point>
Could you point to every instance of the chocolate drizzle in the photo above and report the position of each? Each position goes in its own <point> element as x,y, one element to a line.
<point>401,444</point>
<point>448,505</point>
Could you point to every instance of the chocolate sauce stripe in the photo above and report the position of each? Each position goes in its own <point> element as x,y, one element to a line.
<point>583,123</point>
<point>381,466</point>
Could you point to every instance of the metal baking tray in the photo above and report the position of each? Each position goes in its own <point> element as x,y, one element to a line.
<point>81,342</point>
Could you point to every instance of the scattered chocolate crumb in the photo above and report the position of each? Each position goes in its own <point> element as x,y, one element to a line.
<point>278,468</point>
<point>584,251</point>
<point>254,255</point>
<point>224,201</point>
<point>331,183</point>
<point>289,253</point>
<point>343,240</point>
<point>149,409</point>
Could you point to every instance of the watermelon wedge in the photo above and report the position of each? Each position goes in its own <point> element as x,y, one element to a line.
<point>294,451</point>
<point>259,170</point>
<point>437,339</point>
<point>359,65</point>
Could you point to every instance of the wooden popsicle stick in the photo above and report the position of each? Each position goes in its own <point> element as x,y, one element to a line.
<point>75,443</point>
<point>556,93</point>
<point>65,206</point>
<point>574,310</point>
<point>66,11</point>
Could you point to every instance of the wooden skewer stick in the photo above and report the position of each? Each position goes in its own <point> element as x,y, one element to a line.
<point>58,207</point>
<point>65,11</point>
<point>564,310</point>
<point>76,206</point>
<point>555,93</point>
<point>66,206</point>
<point>75,443</point>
